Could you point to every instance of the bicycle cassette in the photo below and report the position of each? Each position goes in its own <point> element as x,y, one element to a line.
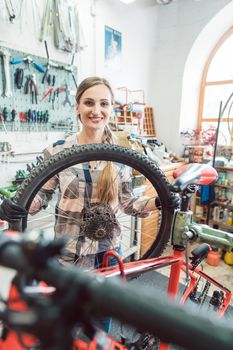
<point>97,221</point>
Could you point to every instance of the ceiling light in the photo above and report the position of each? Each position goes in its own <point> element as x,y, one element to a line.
<point>127,1</point>
<point>163,2</point>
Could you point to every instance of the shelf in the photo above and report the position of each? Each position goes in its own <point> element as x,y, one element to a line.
<point>222,225</point>
<point>226,227</point>
<point>225,205</point>
<point>133,118</point>
<point>200,217</point>
<point>224,186</point>
<point>224,168</point>
<point>148,123</point>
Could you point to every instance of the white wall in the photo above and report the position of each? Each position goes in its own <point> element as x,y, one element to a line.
<point>156,43</point>
<point>178,26</point>
<point>137,25</point>
<point>134,71</point>
<point>196,60</point>
<point>136,22</point>
<point>23,34</point>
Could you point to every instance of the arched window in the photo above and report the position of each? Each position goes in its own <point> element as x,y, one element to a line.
<point>217,86</point>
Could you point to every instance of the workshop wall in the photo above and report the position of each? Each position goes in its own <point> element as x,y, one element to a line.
<point>178,62</point>
<point>21,38</point>
<point>137,24</point>
<point>94,15</point>
<point>156,44</point>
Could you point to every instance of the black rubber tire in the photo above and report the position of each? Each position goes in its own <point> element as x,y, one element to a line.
<point>85,153</point>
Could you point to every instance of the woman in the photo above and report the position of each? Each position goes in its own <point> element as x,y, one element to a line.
<point>86,186</point>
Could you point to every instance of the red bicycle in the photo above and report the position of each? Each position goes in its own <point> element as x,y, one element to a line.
<point>183,231</point>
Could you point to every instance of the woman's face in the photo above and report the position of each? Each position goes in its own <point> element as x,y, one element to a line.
<point>95,107</point>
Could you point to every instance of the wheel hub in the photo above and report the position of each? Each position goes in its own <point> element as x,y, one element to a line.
<point>97,221</point>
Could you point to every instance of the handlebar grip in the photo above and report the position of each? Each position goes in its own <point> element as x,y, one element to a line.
<point>201,251</point>
<point>11,255</point>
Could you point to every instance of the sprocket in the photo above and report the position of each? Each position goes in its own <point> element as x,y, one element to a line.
<point>97,221</point>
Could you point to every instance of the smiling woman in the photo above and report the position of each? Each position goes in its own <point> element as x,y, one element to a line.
<point>89,199</point>
<point>94,107</point>
<point>87,188</point>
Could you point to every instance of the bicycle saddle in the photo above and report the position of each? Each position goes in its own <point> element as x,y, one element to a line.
<point>193,174</point>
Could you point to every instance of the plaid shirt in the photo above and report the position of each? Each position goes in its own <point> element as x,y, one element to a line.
<point>77,187</point>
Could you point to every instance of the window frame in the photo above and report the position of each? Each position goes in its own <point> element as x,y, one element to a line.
<point>204,83</point>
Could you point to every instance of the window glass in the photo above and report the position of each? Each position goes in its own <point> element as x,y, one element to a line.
<point>218,88</point>
<point>221,67</point>
<point>214,94</point>
<point>224,136</point>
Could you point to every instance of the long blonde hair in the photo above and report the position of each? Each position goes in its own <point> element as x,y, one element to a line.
<point>107,187</point>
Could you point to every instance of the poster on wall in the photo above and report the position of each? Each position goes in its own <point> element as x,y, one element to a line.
<point>113,46</point>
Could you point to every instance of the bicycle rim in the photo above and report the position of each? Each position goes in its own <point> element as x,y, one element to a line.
<point>153,181</point>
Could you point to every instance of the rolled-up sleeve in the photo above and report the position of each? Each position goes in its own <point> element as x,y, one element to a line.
<point>129,203</point>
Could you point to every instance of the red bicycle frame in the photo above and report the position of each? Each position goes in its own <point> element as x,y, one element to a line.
<point>177,265</point>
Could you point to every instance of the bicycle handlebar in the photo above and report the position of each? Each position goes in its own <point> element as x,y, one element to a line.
<point>99,296</point>
<point>211,235</point>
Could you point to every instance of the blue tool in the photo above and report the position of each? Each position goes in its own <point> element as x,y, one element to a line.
<point>28,60</point>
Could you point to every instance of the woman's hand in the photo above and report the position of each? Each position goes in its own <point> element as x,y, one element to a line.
<point>36,205</point>
<point>174,202</point>
<point>11,212</point>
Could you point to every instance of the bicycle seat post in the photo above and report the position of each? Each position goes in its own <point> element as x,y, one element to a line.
<point>186,244</point>
<point>181,235</point>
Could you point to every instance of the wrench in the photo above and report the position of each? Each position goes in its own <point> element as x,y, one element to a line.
<point>7,92</point>
<point>67,98</point>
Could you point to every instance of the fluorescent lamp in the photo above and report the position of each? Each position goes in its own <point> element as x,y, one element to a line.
<point>127,1</point>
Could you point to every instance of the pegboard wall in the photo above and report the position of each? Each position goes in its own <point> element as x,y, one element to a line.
<point>48,106</point>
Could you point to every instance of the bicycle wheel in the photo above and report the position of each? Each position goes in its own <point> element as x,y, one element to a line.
<point>137,242</point>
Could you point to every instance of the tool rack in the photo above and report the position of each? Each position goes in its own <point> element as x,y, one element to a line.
<point>60,108</point>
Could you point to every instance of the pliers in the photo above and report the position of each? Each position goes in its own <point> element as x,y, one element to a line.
<point>32,87</point>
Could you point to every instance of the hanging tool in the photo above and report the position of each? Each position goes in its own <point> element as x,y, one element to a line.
<point>22,116</point>
<point>46,116</point>
<point>67,98</point>
<point>3,123</point>
<point>69,68</point>
<point>28,115</point>
<point>50,90</point>
<point>58,91</point>
<point>32,87</point>
<point>6,73</point>
<point>49,63</point>
<point>5,114</point>
<point>10,10</point>
<point>13,115</point>
<point>28,60</point>
<point>47,20</point>
<point>19,73</point>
